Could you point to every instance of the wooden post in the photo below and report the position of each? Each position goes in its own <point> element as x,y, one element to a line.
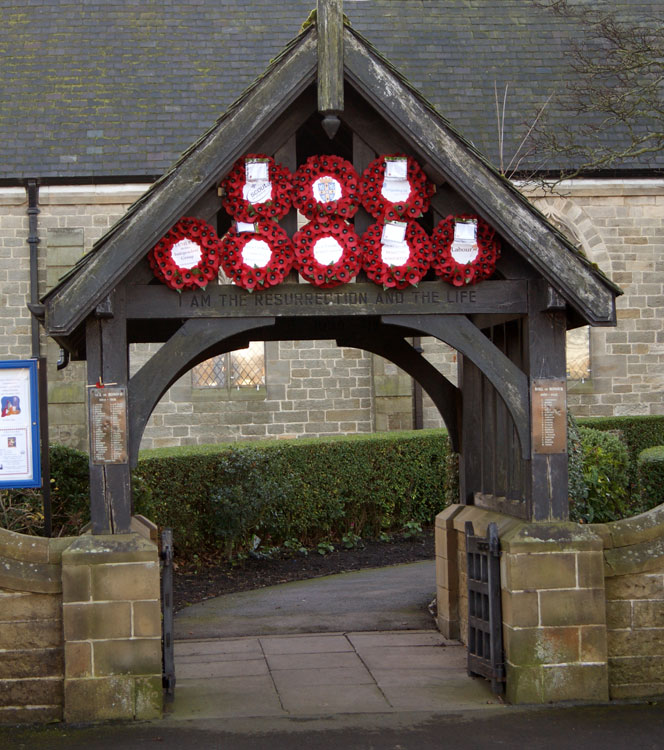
<point>548,476</point>
<point>107,362</point>
<point>330,20</point>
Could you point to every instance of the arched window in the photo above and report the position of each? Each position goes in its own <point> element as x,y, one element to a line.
<point>243,368</point>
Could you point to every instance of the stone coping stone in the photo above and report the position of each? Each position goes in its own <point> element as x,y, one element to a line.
<point>110,548</point>
<point>481,519</point>
<point>645,527</point>
<point>635,558</point>
<point>547,537</point>
<point>33,577</point>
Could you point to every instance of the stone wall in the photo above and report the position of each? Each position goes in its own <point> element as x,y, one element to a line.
<point>313,388</point>
<point>582,606</point>
<point>634,570</point>
<point>619,224</point>
<point>31,638</point>
<point>80,628</point>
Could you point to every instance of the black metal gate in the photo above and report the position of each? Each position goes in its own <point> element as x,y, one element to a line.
<point>485,638</point>
<point>168,659</point>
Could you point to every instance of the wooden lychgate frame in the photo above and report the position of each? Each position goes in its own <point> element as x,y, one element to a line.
<point>509,331</point>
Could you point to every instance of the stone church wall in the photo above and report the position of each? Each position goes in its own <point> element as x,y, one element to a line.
<point>313,388</point>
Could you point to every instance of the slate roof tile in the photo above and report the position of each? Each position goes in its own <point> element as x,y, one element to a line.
<point>117,66</point>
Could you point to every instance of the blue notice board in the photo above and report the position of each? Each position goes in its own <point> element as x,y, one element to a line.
<point>20,457</point>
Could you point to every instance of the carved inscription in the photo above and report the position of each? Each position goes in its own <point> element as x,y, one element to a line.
<point>325,298</point>
<point>549,405</point>
<point>501,297</point>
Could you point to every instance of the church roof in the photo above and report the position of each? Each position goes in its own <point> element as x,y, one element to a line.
<point>118,89</point>
<point>279,93</point>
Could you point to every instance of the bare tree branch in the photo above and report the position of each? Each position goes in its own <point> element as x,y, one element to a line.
<point>614,96</point>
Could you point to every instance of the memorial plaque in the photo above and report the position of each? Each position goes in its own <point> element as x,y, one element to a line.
<point>549,405</point>
<point>108,425</point>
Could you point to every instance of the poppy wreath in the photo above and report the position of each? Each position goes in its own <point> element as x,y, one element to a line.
<point>327,239</point>
<point>406,271</point>
<point>258,259</point>
<point>326,185</point>
<point>187,256</point>
<point>404,207</point>
<point>235,188</point>
<point>450,269</point>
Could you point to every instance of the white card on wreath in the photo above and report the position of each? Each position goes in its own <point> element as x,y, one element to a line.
<point>256,171</point>
<point>394,232</point>
<point>396,169</point>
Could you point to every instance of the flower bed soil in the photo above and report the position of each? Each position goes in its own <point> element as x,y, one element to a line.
<point>213,578</point>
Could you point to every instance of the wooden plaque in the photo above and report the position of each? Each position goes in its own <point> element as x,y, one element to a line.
<point>549,416</point>
<point>108,425</point>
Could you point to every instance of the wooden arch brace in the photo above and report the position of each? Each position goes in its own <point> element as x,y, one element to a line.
<point>192,340</point>
<point>444,394</point>
<point>509,381</point>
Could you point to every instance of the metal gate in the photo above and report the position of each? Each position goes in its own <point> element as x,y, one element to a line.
<point>485,638</point>
<point>168,659</point>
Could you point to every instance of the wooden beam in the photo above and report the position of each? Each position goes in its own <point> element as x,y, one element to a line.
<point>293,300</point>
<point>107,361</point>
<point>330,22</point>
<point>179,354</point>
<point>493,197</point>
<point>546,362</point>
<point>394,348</point>
<point>457,331</point>
<point>167,201</point>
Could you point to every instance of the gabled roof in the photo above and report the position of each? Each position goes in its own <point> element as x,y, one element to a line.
<point>429,135</point>
<point>119,88</point>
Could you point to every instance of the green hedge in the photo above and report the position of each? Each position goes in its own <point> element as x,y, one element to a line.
<point>650,477</point>
<point>22,509</point>
<point>601,493</point>
<point>305,490</point>
<point>637,433</point>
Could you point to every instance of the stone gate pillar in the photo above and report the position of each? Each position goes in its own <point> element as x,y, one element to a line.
<point>112,628</point>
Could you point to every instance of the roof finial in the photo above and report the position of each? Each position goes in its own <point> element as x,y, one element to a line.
<point>330,22</point>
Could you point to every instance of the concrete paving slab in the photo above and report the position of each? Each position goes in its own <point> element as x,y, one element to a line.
<point>414,657</point>
<point>418,677</point>
<point>313,661</point>
<point>362,641</point>
<point>342,676</point>
<point>394,598</point>
<point>242,646</point>
<point>226,697</point>
<point>327,699</point>
<point>450,695</point>
<point>216,668</point>
<point>306,644</point>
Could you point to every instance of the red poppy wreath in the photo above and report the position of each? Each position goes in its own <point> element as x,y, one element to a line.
<point>395,188</point>
<point>396,254</point>
<point>187,256</point>
<point>257,187</point>
<point>464,250</point>
<point>326,185</point>
<point>256,256</point>
<point>327,252</point>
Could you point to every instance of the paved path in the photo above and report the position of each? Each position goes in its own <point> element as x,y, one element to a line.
<point>389,598</point>
<point>323,675</point>
<point>354,643</point>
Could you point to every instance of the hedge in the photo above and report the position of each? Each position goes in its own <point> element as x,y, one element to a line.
<point>650,477</point>
<point>601,492</point>
<point>304,490</point>
<point>637,433</point>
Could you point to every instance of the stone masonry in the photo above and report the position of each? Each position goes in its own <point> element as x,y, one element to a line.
<point>582,606</point>
<point>112,628</point>
<point>313,388</point>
